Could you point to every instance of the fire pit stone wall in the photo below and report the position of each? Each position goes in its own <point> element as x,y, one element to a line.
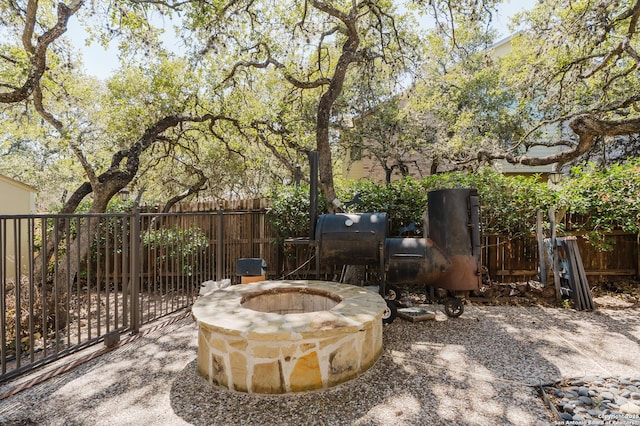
<point>287,336</point>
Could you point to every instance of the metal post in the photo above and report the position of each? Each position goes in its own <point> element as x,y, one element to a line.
<point>313,193</point>
<point>3,291</point>
<point>126,275</point>
<point>554,251</point>
<point>313,206</point>
<point>383,281</point>
<point>220,245</point>
<point>474,226</point>
<point>317,256</point>
<point>134,268</point>
<point>541,257</point>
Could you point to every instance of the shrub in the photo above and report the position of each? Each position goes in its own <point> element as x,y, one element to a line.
<point>177,246</point>
<point>609,199</point>
<point>289,211</point>
<point>404,201</point>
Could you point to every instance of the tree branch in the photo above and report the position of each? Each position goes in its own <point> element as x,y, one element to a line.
<point>587,127</point>
<point>29,24</point>
<point>272,61</point>
<point>193,189</point>
<point>38,61</point>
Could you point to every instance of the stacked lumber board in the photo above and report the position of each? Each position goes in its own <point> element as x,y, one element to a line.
<point>570,270</point>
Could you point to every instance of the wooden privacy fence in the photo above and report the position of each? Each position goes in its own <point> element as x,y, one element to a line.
<point>506,259</point>
<point>516,259</point>
<point>213,240</point>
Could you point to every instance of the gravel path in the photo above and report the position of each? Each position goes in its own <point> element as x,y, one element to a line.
<point>480,369</point>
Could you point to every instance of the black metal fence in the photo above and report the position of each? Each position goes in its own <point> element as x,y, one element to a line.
<point>67,281</point>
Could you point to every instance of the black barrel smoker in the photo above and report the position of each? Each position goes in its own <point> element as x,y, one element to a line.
<point>447,258</point>
<point>356,238</point>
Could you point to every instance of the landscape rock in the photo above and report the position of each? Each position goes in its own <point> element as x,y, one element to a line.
<point>630,408</point>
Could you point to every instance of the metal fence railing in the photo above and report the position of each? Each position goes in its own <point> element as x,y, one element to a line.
<point>67,281</point>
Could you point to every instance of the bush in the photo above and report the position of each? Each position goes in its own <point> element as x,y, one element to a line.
<point>609,199</point>
<point>404,201</point>
<point>177,247</point>
<point>289,211</point>
<point>509,204</point>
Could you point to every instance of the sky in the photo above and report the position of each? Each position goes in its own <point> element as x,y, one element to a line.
<point>507,11</point>
<point>102,63</point>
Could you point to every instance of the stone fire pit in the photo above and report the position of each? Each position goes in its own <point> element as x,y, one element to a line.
<point>287,336</point>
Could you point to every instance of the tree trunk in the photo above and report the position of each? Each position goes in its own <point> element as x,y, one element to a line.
<point>124,167</point>
<point>348,55</point>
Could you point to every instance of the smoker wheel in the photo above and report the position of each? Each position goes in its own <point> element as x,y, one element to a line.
<point>393,293</point>
<point>453,307</point>
<point>390,313</point>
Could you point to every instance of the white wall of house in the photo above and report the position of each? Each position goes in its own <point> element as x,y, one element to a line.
<point>16,199</point>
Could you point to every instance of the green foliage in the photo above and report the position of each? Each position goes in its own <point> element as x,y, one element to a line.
<point>403,200</point>
<point>465,100</point>
<point>289,212</point>
<point>568,59</point>
<point>564,37</point>
<point>177,246</point>
<point>607,199</point>
<point>117,205</point>
<point>509,203</point>
<point>187,241</point>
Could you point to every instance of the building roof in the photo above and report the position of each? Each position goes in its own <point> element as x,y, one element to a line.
<point>13,182</point>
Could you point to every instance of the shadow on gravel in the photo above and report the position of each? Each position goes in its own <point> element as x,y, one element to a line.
<point>107,389</point>
<point>478,369</point>
<point>619,321</point>
<point>471,370</point>
<point>609,338</point>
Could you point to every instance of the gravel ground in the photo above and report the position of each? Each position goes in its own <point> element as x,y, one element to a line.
<point>480,369</point>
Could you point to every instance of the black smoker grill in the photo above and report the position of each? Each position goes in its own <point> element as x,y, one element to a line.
<point>454,226</point>
<point>356,238</point>
<point>447,258</point>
